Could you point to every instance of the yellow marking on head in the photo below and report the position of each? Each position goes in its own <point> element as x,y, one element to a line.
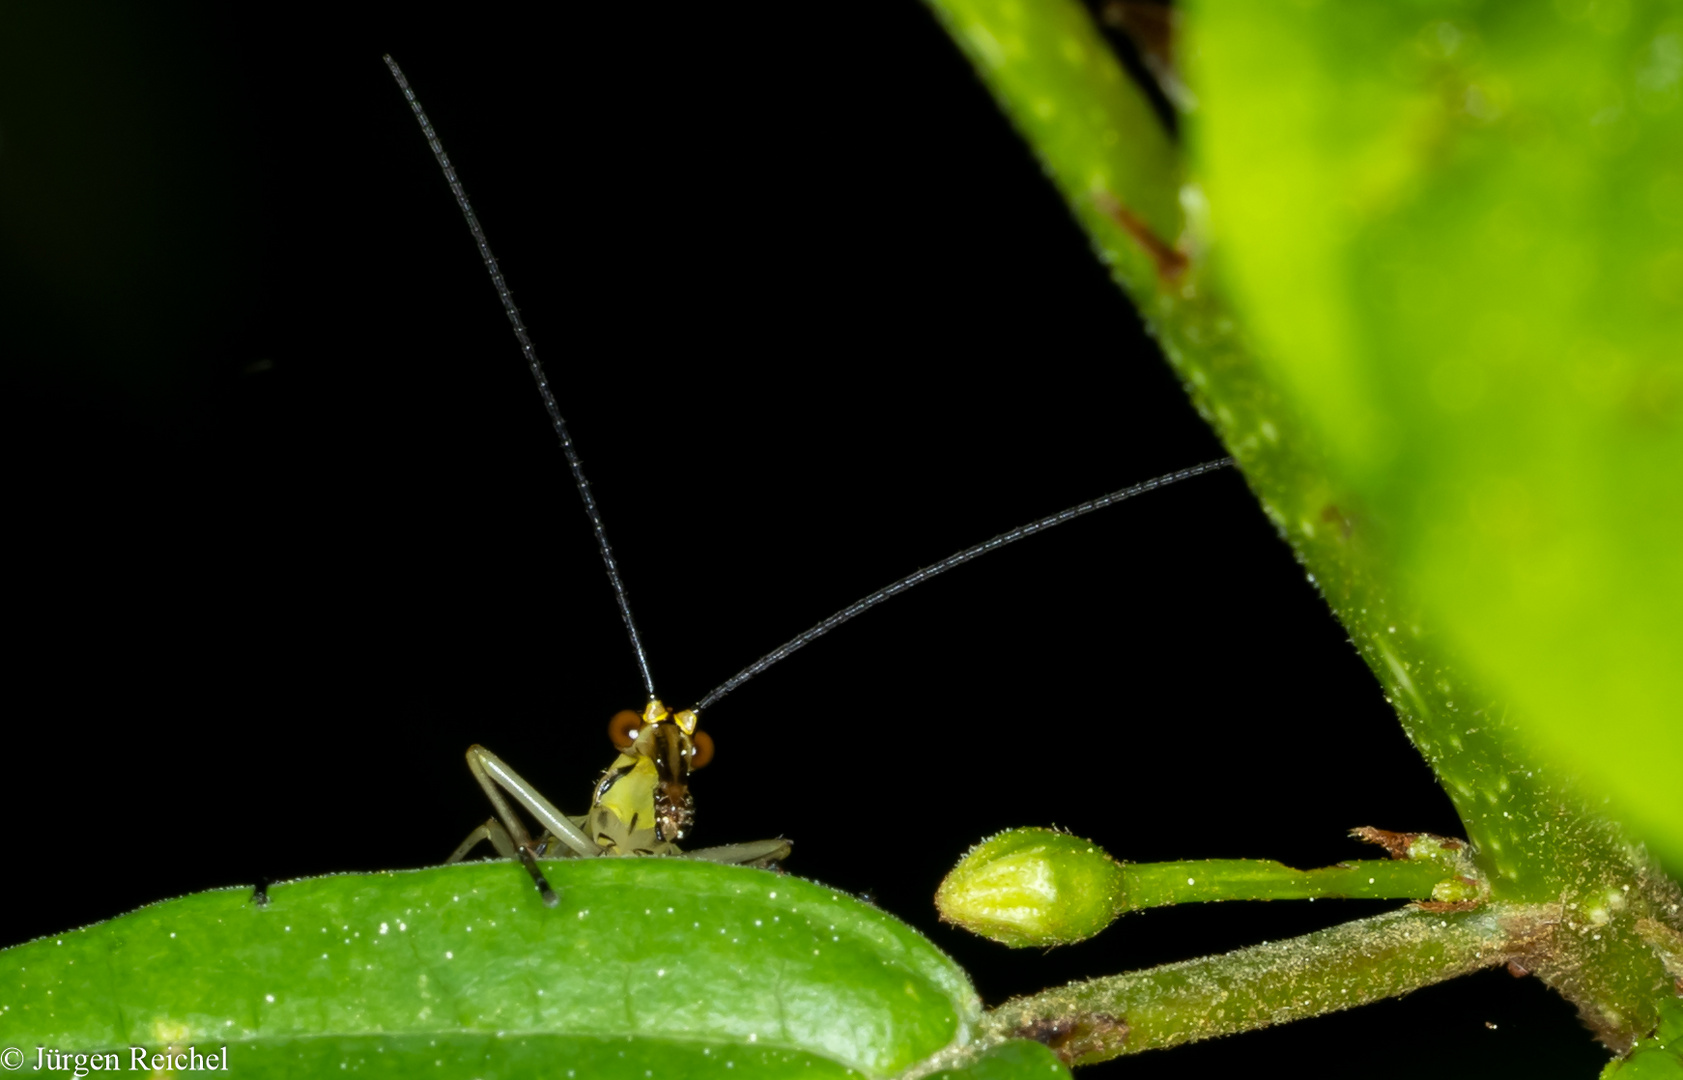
<point>686,720</point>
<point>654,712</point>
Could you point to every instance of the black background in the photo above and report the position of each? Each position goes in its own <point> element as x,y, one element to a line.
<point>287,529</point>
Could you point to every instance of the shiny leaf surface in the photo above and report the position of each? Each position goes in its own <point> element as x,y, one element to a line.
<point>671,965</point>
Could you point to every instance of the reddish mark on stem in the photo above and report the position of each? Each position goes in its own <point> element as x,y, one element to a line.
<point>1073,1038</point>
<point>1517,969</point>
<point>1396,844</point>
<point>1170,261</point>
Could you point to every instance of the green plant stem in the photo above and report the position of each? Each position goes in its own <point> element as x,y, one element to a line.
<point>1157,884</point>
<point>1272,983</point>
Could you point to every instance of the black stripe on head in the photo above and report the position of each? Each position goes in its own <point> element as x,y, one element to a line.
<point>670,760</point>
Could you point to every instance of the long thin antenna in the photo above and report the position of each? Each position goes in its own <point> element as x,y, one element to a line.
<point>538,375</point>
<point>859,607</point>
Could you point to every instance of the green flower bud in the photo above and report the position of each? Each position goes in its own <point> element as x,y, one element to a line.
<point>1033,887</point>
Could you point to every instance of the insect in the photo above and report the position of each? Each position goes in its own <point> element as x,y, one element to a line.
<point>642,804</point>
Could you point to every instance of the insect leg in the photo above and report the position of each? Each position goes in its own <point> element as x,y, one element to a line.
<point>493,831</point>
<point>489,770</point>
<point>757,853</point>
<point>493,775</point>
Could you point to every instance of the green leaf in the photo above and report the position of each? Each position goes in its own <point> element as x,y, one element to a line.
<point>1656,1058</point>
<point>1457,232</point>
<point>515,1055</point>
<point>1018,1059</point>
<point>661,964</point>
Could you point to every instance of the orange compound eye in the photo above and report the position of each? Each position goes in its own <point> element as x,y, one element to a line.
<point>703,749</point>
<point>622,729</point>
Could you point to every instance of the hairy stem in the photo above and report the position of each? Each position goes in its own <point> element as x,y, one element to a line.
<point>1272,983</point>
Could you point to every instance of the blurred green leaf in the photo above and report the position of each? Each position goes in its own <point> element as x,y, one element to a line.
<point>685,968</point>
<point>1457,231</point>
